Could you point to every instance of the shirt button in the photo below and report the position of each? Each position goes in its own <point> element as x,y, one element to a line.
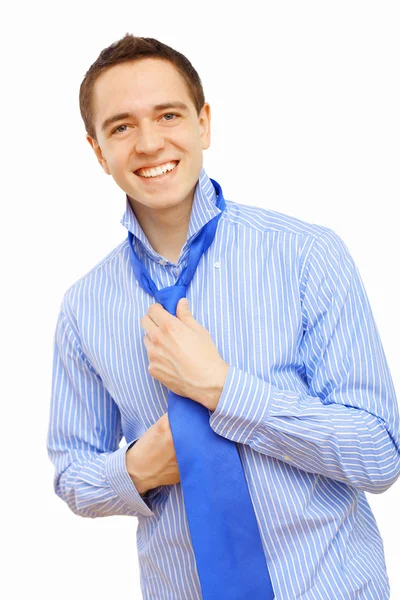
<point>217,265</point>
<point>162,262</point>
<point>176,271</point>
<point>286,457</point>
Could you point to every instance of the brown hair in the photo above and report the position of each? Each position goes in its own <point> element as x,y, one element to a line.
<point>131,48</point>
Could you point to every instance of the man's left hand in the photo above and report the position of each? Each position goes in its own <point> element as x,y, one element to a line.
<point>182,354</point>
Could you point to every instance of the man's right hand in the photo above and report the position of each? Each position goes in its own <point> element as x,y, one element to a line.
<point>151,461</point>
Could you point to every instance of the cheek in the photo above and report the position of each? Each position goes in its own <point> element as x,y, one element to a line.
<point>118,159</point>
<point>184,137</point>
<point>192,144</point>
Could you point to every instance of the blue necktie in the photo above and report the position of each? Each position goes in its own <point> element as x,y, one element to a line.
<point>226,540</point>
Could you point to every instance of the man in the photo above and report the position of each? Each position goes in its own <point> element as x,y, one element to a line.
<point>278,342</point>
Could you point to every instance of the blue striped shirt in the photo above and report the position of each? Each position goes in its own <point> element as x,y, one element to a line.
<point>308,398</point>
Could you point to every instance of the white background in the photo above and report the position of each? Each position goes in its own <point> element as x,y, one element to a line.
<point>305,120</point>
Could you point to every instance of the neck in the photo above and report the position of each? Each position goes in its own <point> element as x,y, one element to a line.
<point>166,229</point>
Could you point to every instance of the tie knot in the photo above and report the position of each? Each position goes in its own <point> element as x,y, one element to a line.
<point>169,297</point>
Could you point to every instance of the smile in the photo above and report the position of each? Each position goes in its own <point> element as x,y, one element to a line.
<point>159,171</point>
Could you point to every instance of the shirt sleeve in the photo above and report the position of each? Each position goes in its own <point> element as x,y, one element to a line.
<point>84,435</point>
<point>345,425</point>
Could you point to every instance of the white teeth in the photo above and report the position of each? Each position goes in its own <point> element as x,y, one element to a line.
<point>160,170</point>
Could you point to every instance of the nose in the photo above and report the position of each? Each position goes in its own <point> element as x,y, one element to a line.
<point>148,139</point>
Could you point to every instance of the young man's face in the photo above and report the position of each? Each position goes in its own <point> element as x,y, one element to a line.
<point>134,132</point>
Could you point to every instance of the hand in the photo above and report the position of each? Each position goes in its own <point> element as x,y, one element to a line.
<point>182,354</point>
<point>151,461</point>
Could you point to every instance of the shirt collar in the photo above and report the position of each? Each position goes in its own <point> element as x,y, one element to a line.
<point>203,210</point>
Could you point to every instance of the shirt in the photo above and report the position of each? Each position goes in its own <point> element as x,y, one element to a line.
<point>308,398</point>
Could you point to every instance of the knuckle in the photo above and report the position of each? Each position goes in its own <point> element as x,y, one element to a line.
<point>164,426</point>
<point>168,326</point>
<point>152,354</point>
<point>156,338</point>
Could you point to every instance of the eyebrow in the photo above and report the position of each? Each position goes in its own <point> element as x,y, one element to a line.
<point>156,108</point>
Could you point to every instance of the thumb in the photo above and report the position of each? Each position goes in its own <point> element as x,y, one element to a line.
<point>184,314</point>
<point>183,311</point>
<point>183,306</point>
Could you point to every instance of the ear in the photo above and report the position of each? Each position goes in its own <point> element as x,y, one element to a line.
<point>204,124</point>
<point>99,154</point>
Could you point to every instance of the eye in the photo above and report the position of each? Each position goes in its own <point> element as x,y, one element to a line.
<point>170,115</point>
<point>124,128</point>
<point>119,130</point>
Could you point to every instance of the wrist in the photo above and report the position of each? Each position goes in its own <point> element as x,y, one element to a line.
<point>214,392</point>
<point>141,482</point>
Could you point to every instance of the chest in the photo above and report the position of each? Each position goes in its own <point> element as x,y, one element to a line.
<point>250,307</point>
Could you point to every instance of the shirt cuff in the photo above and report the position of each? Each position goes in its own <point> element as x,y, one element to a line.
<point>122,483</point>
<point>243,406</point>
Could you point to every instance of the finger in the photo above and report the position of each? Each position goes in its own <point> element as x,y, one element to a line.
<point>148,325</point>
<point>158,314</point>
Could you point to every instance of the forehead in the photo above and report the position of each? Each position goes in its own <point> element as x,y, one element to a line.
<point>137,85</point>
